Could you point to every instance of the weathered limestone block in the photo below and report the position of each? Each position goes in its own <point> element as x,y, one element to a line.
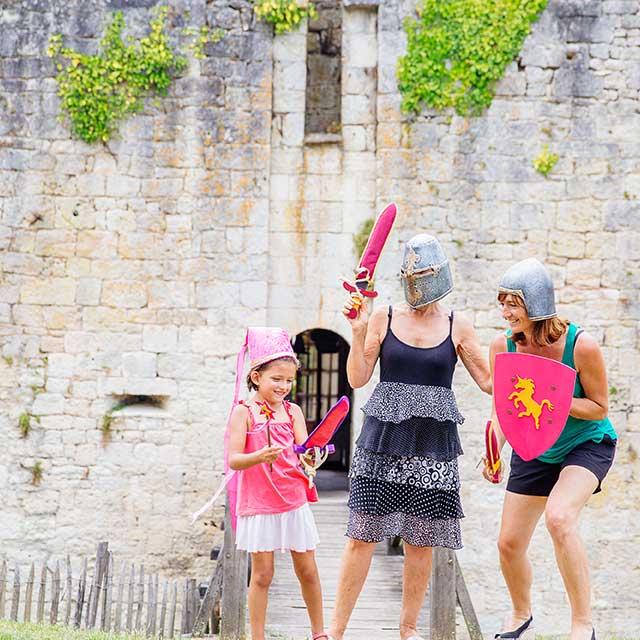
<point>584,273</point>
<point>292,130</point>
<point>216,295</point>
<point>579,216</point>
<point>48,404</point>
<point>358,109</point>
<point>621,214</point>
<point>119,186</point>
<point>254,294</point>
<point>159,339</point>
<point>181,367</point>
<point>548,55</point>
<point>122,294</point>
<point>139,365</point>
<point>574,79</point>
<point>361,50</point>
<point>96,244</point>
<point>88,292</point>
<point>97,318</point>
<point>55,291</point>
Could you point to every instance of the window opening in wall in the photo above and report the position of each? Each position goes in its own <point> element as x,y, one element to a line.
<point>321,380</point>
<point>324,74</point>
<point>139,405</point>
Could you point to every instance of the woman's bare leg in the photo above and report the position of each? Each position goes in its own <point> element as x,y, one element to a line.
<point>520,514</point>
<point>415,580</point>
<point>566,501</point>
<point>356,560</point>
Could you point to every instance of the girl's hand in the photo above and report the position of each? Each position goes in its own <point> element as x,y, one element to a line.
<point>356,301</point>
<point>268,454</point>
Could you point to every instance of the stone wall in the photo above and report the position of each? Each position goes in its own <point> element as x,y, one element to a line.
<point>134,268</point>
<point>127,269</point>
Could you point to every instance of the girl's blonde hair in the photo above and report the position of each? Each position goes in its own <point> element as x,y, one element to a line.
<point>545,332</point>
<point>263,367</point>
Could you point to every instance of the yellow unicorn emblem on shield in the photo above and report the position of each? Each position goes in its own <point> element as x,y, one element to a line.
<point>525,398</point>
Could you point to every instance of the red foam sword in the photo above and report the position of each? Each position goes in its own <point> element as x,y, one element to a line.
<point>492,459</point>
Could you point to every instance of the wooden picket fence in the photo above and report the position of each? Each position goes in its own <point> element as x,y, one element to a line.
<point>108,601</point>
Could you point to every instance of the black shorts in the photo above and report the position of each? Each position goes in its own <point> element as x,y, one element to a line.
<point>536,478</point>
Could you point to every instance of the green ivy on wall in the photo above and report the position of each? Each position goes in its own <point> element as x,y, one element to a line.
<point>97,91</point>
<point>284,15</point>
<point>201,38</point>
<point>457,51</point>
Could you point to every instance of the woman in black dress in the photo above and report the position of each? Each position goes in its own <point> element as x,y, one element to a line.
<point>404,475</point>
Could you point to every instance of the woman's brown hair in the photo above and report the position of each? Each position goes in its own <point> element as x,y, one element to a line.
<point>266,365</point>
<point>545,332</point>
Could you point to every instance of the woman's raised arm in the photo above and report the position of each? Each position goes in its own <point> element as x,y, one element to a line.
<point>367,335</point>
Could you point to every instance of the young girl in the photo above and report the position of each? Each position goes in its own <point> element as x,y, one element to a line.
<point>273,494</point>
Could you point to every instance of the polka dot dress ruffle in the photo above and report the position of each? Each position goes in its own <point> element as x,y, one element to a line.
<point>420,532</point>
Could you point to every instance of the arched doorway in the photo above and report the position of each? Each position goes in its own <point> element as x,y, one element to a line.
<point>321,380</point>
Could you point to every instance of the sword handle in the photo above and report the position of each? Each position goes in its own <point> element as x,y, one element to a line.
<point>353,312</point>
<point>357,302</point>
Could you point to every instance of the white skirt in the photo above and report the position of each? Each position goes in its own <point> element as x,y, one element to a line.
<point>289,531</point>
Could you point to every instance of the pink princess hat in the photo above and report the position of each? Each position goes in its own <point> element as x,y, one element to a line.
<point>266,344</point>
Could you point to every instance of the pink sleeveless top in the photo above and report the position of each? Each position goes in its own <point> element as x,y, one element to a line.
<point>262,490</point>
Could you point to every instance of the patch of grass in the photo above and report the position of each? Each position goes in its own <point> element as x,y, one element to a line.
<point>24,424</point>
<point>22,631</point>
<point>37,472</point>
<point>107,427</point>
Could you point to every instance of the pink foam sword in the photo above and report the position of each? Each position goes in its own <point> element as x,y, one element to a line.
<point>316,448</point>
<point>368,261</point>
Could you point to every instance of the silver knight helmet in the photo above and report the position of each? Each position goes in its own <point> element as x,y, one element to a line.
<point>531,281</point>
<point>425,272</point>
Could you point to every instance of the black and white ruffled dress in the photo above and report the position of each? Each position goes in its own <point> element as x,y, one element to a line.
<point>404,474</point>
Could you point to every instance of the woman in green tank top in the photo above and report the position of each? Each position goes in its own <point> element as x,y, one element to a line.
<point>559,482</point>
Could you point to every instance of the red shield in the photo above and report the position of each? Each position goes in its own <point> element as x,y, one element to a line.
<point>532,396</point>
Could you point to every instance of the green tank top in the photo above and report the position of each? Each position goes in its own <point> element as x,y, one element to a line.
<point>576,431</point>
